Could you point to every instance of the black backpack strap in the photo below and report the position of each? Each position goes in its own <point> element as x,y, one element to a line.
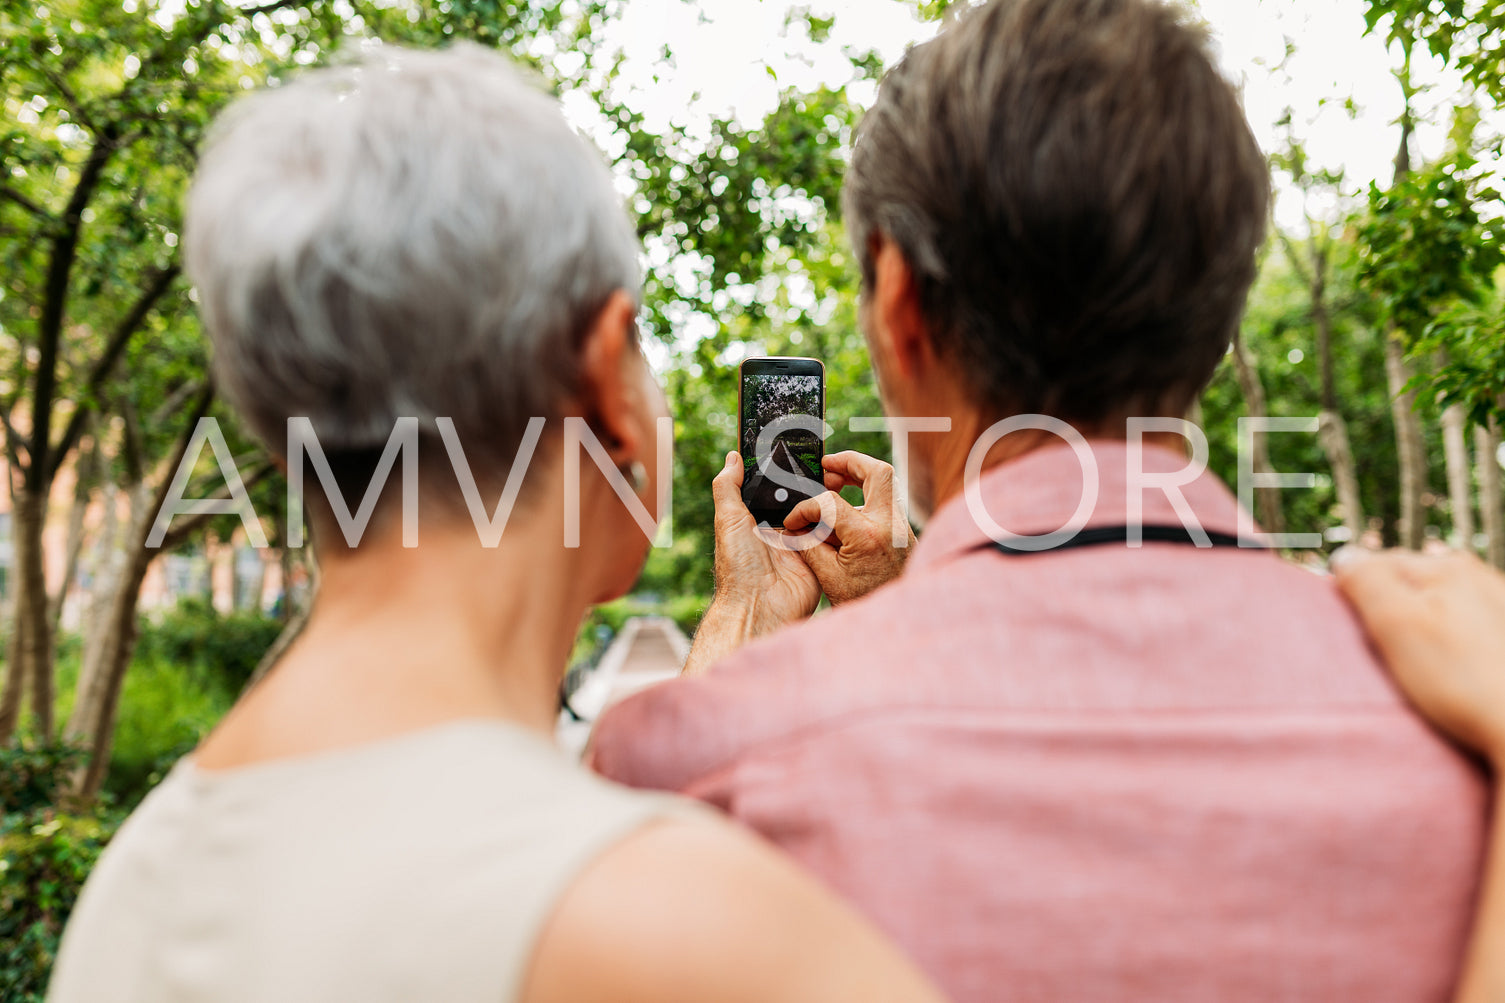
<point>1100,535</point>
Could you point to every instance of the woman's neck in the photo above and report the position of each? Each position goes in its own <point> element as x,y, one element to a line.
<point>402,639</point>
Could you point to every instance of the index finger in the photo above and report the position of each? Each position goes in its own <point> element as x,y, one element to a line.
<point>827,508</point>
<point>872,475</point>
<point>1382,586</point>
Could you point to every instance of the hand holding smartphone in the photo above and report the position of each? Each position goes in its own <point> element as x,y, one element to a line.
<point>782,404</point>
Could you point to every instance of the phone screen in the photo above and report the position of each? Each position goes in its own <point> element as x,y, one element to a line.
<point>783,412</point>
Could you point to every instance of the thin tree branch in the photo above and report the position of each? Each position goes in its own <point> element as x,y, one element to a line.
<point>200,408</point>
<point>1294,257</point>
<point>100,374</point>
<point>174,401</point>
<point>11,195</point>
<point>267,8</point>
<point>75,106</point>
<point>185,526</point>
<point>168,54</point>
<point>130,446</point>
<point>12,440</point>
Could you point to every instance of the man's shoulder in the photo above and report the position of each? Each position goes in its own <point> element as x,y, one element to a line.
<point>668,735</point>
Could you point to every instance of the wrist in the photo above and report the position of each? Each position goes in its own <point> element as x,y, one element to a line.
<point>748,614</point>
<point>728,623</point>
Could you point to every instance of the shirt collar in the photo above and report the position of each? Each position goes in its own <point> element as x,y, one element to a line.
<point>1040,491</point>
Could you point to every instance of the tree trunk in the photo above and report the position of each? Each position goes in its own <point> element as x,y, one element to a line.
<point>117,643</point>
<point>95,712</point>
<point>15,668</point>
<point>74,546</point>
<point>245,595</point>
<point>1460,480</point>
<point>1410,451</point>
<point>1332,430</point>
<point>1332,433</point>
<point>1266,503</point>
<point>93,674</point>
<point>30,673</point>
<point>1491,517</point>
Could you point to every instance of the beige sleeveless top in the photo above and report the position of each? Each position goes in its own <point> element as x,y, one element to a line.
<point>419,868</point>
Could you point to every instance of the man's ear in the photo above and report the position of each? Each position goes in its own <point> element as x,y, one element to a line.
<point>896,311</point>
<point>608,395</point>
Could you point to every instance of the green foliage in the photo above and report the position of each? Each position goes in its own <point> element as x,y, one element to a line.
<point>1425,246</point>
<point>34,775</point>
<point>1279,332</point>
<point>165,709</point>
<point>1469,34</point>
<point>1473,336</point>
<point>684,610</point>
<point>186,672</point>
<point>195,634</point>
<point>44,858</point>
<point>1428,255</point>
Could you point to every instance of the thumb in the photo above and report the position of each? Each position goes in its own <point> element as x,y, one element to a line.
<point>726,486</point>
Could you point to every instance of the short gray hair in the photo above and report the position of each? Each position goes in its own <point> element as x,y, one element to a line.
<point>412,234</point>
<point>1079,197</point>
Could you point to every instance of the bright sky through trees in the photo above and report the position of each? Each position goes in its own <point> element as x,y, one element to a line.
<point>738,54</point>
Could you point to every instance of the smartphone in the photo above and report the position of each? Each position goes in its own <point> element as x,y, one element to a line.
<point>782,403</point>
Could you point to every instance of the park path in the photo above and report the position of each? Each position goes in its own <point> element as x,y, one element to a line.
<point>647,650</point>
<point>762,492</point>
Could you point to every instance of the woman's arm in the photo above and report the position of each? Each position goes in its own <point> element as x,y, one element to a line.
<point>691,911</point>
<point>1439,622</point>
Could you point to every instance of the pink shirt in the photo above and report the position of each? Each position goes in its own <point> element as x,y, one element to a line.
<point>1100,774</point>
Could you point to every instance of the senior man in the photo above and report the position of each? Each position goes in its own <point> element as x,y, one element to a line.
<point>1171,771</point>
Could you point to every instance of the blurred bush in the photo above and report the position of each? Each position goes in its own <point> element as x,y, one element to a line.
<point>165,709</point>
<point>33,777</point>
<point>684,610</point>
<point>195,633</point>
<point>45,855</point>
<point>188,668</point>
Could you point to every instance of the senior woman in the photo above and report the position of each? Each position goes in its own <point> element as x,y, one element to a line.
<point>421,236</point>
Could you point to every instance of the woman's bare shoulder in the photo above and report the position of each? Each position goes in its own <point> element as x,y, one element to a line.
<point>695,909</point>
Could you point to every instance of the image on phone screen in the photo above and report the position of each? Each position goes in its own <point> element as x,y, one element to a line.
<point>783,406</point>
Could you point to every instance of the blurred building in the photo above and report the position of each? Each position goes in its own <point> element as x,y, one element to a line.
<point>230,574</point>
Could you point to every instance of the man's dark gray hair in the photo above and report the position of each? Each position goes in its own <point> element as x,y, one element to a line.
<point>1079,196</point>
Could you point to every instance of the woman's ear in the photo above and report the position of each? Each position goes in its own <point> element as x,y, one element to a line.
<point>608,391</point>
